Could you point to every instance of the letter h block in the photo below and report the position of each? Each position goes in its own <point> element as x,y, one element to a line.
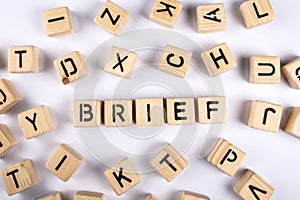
<point>9,96</point>
<point>87,113</point>
<point>291,71</point>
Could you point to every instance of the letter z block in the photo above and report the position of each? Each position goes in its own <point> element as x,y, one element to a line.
<point>9,96</point>
<point>293,124</point>
<point>211,110</point>
<point>291,72</point>
<point>87,195</point>
<point>180,111</point>
<point>52,196</point>
<point>118,113</point>
<point>7,140</point>
<point>193,196</point>
<point>87,113</point>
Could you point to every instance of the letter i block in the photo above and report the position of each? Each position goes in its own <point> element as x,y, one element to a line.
<point>169,163</point>
<point>52,196</point>
<point>193,196</point>
<point>36,121</point>
<point>19,177</point>
<point>166,12</point>
<point>112,17</point>
<point>151,197</point>
<point>226,157</point>
<point>180,111</point>
<point>293,124</point>
<point>291,72</point>
<point>9,96</point>
<point>265,116</point>
<point>70,67</point>
<point>87,113</point>
<point>251,186</point>
<point>64,162</point>
<point>175,61</point>
<point>211,110</point>
<point>7,140</point>
<point>122,177</point>
<point>86,195</point>
<point>118,113</point>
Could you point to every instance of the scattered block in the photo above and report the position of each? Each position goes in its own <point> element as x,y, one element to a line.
<point>122,177</point>
<point>64,162</point>
<point>180,111</point>
<point>175,61</point>
<point>7,140</point>
<point>226,157</point>
<point>211,18</point>
<point>265,116</point>
<point>19,177</point>
<point>291,72</point>
<point>151,197</point>
<point>36,121</point>
<point>120,62</point>
<point>87,195</point>
<point>9,96</point>
<point>252,186</point>
<point>293,124</point>
<point>118,113</point>
<point>112,17</point>
<point>87,113</point>
<point>52,196</point>
<point>70,67</point>
<point>193,196</point>
<point>23,59</point>
<point>166,12</point>
<point>169,163</point>
<point>211,110</point>
<point>58,21</point>
<point>218,59</point>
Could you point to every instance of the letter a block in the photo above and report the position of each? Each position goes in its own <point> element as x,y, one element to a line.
<point>122,177</point>
<point>193,196</point>
<point>19,177</point>
<point>291,72</point>
<point>293,124</point>
<point>118,113</point>
<point>87,113</point>
<point>169,163</point>
<point>52,196</point>
<point>226,157</point>
<point>7,140</point>
<point>180,111</point>
<point>87,195</point>
<point>9,96</point>
<point>265,116</point>
<point>211,110</point>
<point>253,187</point>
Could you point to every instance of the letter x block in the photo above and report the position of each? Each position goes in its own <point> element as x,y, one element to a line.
<point>118,113</point>
<point>180,111</point>
<point>211,110</point>
<point>293,124</point>
<point>291,72</point>
<point>87,195</point>
<point>193,196</point>
<point>9,96</point>
<point>7,140</point>
<point>87,113</point>
<point>151,197</point>
<point>52,196</point>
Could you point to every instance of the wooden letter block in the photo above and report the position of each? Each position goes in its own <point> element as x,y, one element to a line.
<point>118,113</point>
<point>122,177</point>
<point>256,12</point>
<point>253,187</point>
<point>265,116</point>
<point>9,96</point>
<point>112,17</point>
<point>211,18</point>
<point>211,110</point>
<point>19,177</point>
<point>226,157</point>
<point>169,163</point>
<point>70,67</point>
<point>180,111</point>
<point>87,195</point>
<point>36,121</point>
<point>293,124</point>
<point>52,196</point>
<point>291,72</point>
<point>87,113</point>
<point>193,196</point>
<point>151,197</point>
<point>175,61</point>
<point>120,62</point>
<point>166,12</point>
<point>7,140</point>
<point>23,59</point>
<point>218,59</point>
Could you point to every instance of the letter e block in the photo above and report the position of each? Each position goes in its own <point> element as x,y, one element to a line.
<point>193,196</point>
<point>151,197</point>
<point>9,96</point>
<point>87,195</point>
<point>118,113</point>
<point>293,124</point>
<point>180,111</point>
<point>291,72</point>
<point>7,140</point>
<point>87,113</point>
<point>52,196</point>
<point>211,110</point>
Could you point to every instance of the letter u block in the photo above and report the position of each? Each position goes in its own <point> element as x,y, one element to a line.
<point>118,113</point>
<point>9,96</point>
<point>87,113</point>
<point>180,111</point>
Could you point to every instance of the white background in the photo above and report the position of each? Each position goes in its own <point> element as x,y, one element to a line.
<point>273,156</point>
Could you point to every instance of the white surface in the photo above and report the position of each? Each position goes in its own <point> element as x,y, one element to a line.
<point>273,156</point>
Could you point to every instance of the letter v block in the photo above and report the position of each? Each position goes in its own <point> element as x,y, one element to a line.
<point>9,96</point>
<point>87,113</point>
<point>122,176</point>
<point>118,113</point>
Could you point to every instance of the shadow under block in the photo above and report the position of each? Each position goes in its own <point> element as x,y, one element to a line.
<point>23,59</point>
<point>36,121</point>
<point>211,18</point>
<point>112,17</point>
<point>256,12</point>
<point>226,157</point>
<point>291,72</point>
<point>293,124</point>
<point>193,196</point>
<point>253,187</point>
<point>87,195</point>
<point>211,110</point>
<point>120,62</point>
<point>122,177</point>
<point>169,163</point>
<point>7,140</point>
<point>265,116</point>
<point>70,67</point>
<point>87,113</point>
<point>58,21</point>
<point>265,69</point>
<point>19,177</point>
<point>151,197</point>
<point>9,96</point>
<point>64,162</point>
<point>175,61</point>
<point>218,59</point>
<point>166,12</point>
<point>180,111</point>
<point>52,196</point>
<point>118,113</point>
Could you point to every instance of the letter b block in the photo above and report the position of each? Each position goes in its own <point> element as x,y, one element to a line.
<point>9,96</point>
<point>87,113</point>
<point>180,111</point>
<point>291,72</point>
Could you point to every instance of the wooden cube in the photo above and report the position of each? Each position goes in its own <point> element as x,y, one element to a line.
<point>169,163</point>
<point>36,121</point>
<point>265,116</point>
<point>293,124</point>
<point>251,186</point>
<point>58,21</point>
<point>87,113</point>
<point>193,196</point>
<point>151,197</point>
<point>23,59</point>
<point>291,72</point>
<point>70,67</point>
<point>218,59</point>
<point>149,112</point>
<point>52,196</point>
<point>9,96</point>
<point>211,18</point>
<point>7,140</point>
<point>180,111</point>
<point>166,12</point>
<point>120,62</point>
<point>211,110</point>
<point>226,157</point>
<point>122,177</point>
<point>118,113</point>
<point>256,12</point>
<point>87,195</point>
<point>19,177</point>
<point>175,61</point>
<point>112,17</point>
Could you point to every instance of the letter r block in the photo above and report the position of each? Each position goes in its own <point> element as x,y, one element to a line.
<point>118,113</point>
<point>211,110</point>
<point>180,111</point>
<point>291,71</point>
<point>87,113</point>
<point>9,96</point>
